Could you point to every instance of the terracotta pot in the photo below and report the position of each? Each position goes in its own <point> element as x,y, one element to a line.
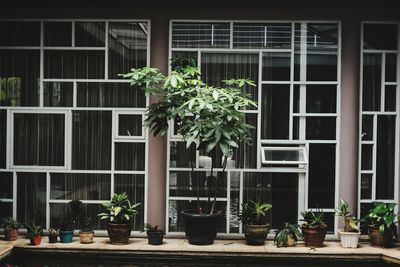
<point>36,240</point>
<point>155,237</point>
<point>349,239</point>
<point>10,234</point>
<point>256,234</point>
<point>200,229</point>
<point>314,236</point>
<point>119,233</point>
<point>380,239</point>
<point>86,237</point>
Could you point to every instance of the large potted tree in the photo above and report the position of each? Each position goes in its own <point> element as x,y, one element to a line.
<point>211,118</point>
<point>119,213</point>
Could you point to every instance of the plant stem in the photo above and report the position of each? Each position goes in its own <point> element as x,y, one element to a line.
<point>216,184</point>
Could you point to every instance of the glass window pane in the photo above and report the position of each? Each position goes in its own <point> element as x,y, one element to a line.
<point>74,64</point>
<point>321,180</point>
<point>367,127</point>
<point>6,185</point>
<point>276,188</point>
<point>19,33</point>
<point>366,186</point>
<point>91,140</point>
<point>31,198</point>
<point>39,139</point>
<point>3,138</point>
<point>390,98</point>
<point>246,155</point>
<point>58,94</point>
<point>200,35</point>
<point>130,125</point>
<point>235,203</point>
<point>276,67</point>
<point>321,99</point>
<point>390,68</point>
<point>365,208</point>
<point>385,162</point>
<point>321,67</point>
<point>372,82</point>
<point>96,94</point>
<point>90,34</point>
<point>216,67</point>
<point>130,156</point>
<point>321,128</point>
<point>380,36</point>
<point>258,36</point>
<point>180,156</point>
<point>183,58</point>
<point>58,33</point>
<point>133,185</point>
<point>272,154</point>
<point>127,47</point>
<point>19,77</point>
<point>275,111</point>
<point>366,157</point>
<point>322,37</point>
<point>72,186</point>
<point>6,209</point>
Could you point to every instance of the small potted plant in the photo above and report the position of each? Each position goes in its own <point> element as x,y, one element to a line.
<point>66,232</point>
<point>53,235</point>
<point>350,234</point>
<point>314,228</point>
<point>11,227</point>
<point>288,236</point>
<point>34,234</point>
<point>120,212</point>
<point>86,233</point>
<point>381,221</point>
<point>155,236</point>
<point>253,217</point>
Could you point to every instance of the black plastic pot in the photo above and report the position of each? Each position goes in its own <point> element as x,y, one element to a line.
<point>200,229</point>
<point>53,238</point>
<point>155,237</point>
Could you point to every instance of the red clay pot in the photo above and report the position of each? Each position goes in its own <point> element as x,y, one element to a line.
<point>380,239</point>
<point>314,236</point>
<point>35,241</point>
<point>10,234</point>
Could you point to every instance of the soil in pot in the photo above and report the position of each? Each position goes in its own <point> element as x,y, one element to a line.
<point>314,236</point>
<point>86,237</point>
<point>155,237</point>
<point>66,236</point>
<point>200,229</point>
<point>256,234</point>
<point>11,234</point>
<point>36,240</point>
<point>119,234</point>
<point>380,239</point>
<point>53,238</point>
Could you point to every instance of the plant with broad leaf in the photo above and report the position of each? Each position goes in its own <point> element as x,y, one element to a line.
<point>350,222</point>
<point>383,216</point>
<point>253,212</point>
<point>289,230</point>
<point>313,219</point>
<point>119,209</point>
<point>211,118</point>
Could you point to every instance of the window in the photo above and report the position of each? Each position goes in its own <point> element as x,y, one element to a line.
<point>70,127</point>
<point>295,67</point>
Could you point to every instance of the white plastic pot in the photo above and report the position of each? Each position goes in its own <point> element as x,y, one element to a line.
<point>349,239</point>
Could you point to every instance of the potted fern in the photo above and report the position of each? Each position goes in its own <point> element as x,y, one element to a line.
<point>208,117</point>
<point>314,228</point>
<point>288,236</point>
<point>34,233</point>
<point>350,234</point>
<point>11,227</point>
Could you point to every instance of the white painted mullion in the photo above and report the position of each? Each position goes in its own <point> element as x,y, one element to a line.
<point>383,77</point>
<point>228,201</point>
<point>73,34</point>
<point>48,188</point>
<point>106,51</point>
<point>291,100</point>
<point>231,35</point>
<point>241,198</point>
<point>374,155</point>
<point>41,66</point>
<point>15,186</point>
<point>259,103</point>
<point>303,77</point>
<point>397,138</point>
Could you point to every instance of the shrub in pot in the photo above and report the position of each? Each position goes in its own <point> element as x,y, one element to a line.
<point>86,234</point>
<point>11,227</point>
<point>288,236</point>
<point>66,232</point>
<point>53,235</point>
<point>350,234</point>
<point>381,221</point>
<point>34,233</point>
<point>119,212</point>
<point>253,217</point>
<point>314,228</point>
<point>155,236</point>
<point>211,119</point>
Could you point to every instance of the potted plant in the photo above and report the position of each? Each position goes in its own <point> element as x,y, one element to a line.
<point>120,212</point>
<point>155,236</point>
<point>66,232</point>
<point>53,235</point>
<point>314,228</point>
<point>86,234</point>
<point>288,236</point>
<point>11,227</point>
<point>350,234</point>
<point>208,117</point>
<point>253,215</point>
<point>381,221</point>
<point>34,233</point>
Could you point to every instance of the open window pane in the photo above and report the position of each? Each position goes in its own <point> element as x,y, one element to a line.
<point>6,185</point>
<point>284,155</point>
<point>90,34</point>
<point>58,94</point>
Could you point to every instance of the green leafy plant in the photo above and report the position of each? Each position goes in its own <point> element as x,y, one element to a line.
<point>211,118</point>
<point>10,223</point>
<point>76,211</point>
<point>313,219</point>
<point>33,230</point>
<point>119,209</point>
<point>53,232</point>
<point>289,230</point>
<point>383,216</point>
<point>252,212</point>
<point>350,222</point>
<point>149,227</point>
